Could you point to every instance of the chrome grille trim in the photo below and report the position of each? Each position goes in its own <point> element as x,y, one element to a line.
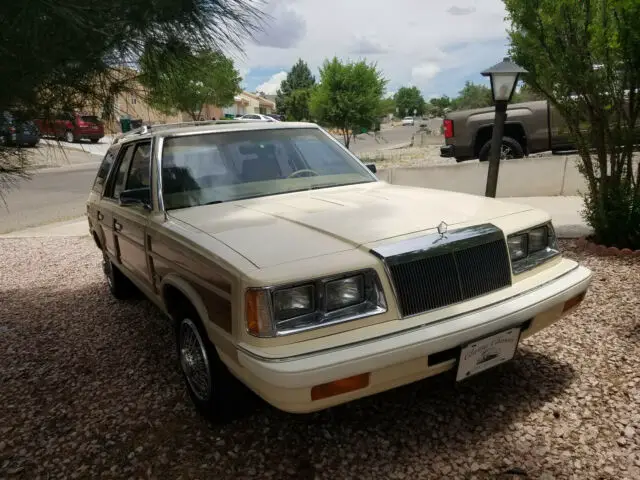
<point>434,271</point>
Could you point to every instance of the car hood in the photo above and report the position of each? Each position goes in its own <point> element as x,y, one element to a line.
<point>277,229</point>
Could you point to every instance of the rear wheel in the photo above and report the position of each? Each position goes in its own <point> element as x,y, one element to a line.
<point>215,393</point>
<point>95,140</point>
<point>511,148</point>
<point>119,285</point>
<point>69,136</point>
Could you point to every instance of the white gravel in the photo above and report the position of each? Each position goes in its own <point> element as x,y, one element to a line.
<point>89,388</point>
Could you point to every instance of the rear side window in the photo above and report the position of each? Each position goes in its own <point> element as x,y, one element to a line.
<point>103,171</point>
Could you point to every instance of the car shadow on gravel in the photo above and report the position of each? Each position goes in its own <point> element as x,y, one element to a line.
<point>95,380</point>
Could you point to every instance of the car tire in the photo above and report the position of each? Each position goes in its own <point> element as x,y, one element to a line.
<point>460,159</point>
<point>95,140</point>
<point>217,395</point>
<point>509,144</point>
<point>119,285</point>
<point>69,136</point>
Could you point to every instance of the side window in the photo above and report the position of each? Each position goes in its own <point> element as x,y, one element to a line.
<point>117,185</point>
<point>103,171</point>
<point>140,164</point>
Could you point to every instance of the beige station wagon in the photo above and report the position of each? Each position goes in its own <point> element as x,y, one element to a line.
<point>285,263</point>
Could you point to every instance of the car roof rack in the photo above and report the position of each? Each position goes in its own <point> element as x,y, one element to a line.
<point>148,128</point>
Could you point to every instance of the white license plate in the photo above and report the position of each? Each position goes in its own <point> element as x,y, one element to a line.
<point>487,352</point>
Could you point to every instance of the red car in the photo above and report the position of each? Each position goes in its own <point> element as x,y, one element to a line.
<point>72,127</point>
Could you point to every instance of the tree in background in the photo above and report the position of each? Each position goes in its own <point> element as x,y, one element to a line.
<point>348,96</point>
<point>585,58</point>
<point>407,100</point>
<point>472,96</point>
<point>67,55</point>
<point>185,81</point>
<point>439,106</point>
<point>293,96</point>
<point>387,106</point>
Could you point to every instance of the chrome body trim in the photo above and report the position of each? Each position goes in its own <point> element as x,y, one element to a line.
<point>436,244</point>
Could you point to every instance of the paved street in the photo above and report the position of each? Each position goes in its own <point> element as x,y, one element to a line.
<point>391,138</point>
<point>50,195</point>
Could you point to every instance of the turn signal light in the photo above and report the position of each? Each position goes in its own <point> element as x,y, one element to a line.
<point>573,302</point>
<point>338,387</point>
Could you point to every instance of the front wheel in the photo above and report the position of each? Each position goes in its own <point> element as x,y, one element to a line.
<point>95,140</point>
<point>213,390</point>
<point>511,148</point>
<point>69,136</point>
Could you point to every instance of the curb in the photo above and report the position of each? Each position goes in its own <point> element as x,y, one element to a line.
<point>604,251</point>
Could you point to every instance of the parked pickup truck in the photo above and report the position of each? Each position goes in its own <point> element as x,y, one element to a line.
<point>531,127</point>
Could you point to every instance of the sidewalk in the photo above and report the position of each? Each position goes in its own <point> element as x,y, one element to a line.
<point>564,211</point>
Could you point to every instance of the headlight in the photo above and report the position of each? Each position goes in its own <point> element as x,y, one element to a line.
<point>326,301</point>
<point>531,248</point>
<point>345,292</point>
<point>517,246</point>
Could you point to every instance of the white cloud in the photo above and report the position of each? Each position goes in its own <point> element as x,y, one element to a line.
<point>412,41</point>
<point>421,74</point>
<point>271,86</point>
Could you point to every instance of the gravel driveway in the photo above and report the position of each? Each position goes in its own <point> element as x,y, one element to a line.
<point>89,388</point>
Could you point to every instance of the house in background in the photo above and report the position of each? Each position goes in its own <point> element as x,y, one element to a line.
<point>246,102</point>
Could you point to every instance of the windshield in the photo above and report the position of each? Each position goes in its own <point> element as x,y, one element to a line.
<point>221,167</point>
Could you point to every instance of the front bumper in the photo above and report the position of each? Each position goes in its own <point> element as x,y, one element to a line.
<point>447,151</point>
<point>402,357</point>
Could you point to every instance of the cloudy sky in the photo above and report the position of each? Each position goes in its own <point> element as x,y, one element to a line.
<point>435,45</point>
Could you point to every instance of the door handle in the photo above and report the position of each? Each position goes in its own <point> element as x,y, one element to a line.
<point>100,216</point>
<point>117,226</point>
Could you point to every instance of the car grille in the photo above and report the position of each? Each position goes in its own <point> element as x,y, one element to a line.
<point>460,269</point>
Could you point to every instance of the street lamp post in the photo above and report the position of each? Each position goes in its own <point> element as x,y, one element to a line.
<point>504,78</point>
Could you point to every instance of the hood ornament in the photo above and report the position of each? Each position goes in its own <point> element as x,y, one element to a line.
<point>442,229</point>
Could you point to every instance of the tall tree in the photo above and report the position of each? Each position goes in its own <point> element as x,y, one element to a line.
<point>66,55</point>
<point>348,96</point>
<point>188,81</point>
<point>292,98</point>
<point>409,99</point>
<point>584,56</point>
<point>472,96</point>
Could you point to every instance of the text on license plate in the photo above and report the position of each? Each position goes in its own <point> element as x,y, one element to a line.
<point>485,353</point>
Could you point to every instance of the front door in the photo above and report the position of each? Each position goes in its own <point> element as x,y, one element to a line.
<point>129,222</point>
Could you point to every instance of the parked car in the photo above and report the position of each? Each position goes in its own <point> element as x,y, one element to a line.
<point>531,127</point>
<point>407,121</point>
<point>276,116</point>
<point>72,127</point>
<point>258,116</point>
<point>17,130</point>
<point>285,263</point>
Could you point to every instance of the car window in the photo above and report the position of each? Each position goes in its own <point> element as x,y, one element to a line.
<point>140,164</point>
<point>121,172</point>
<point>227,166</point>
<point>90,119</point>
<point>103,171</point>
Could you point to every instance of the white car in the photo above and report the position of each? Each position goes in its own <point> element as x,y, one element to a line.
<point>283,261</point>
<point>407,121</point>
<point>258,116</point>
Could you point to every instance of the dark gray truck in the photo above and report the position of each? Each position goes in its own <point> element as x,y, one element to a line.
<point>530,127</point>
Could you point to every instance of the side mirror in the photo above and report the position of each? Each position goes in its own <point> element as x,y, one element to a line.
<point>372,167</point>
<point>136,196</point>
